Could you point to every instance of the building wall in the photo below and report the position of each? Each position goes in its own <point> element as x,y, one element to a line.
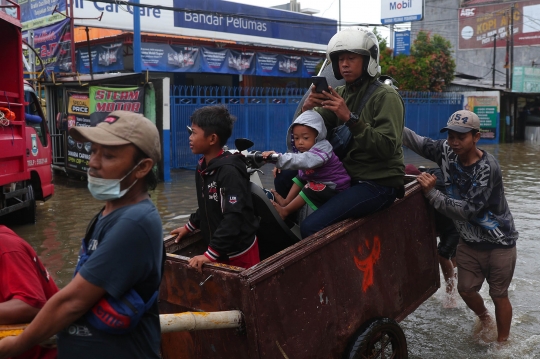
<point>441,17</point>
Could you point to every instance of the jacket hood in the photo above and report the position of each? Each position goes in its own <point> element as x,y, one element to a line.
<point>311,119</point>
<point>227,159</point>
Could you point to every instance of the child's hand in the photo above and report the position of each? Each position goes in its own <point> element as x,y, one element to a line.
<point>265,154</point>
<point>275,171</point>
<point>278,199</point>
<point>198,261</point>
<point>181,231</point>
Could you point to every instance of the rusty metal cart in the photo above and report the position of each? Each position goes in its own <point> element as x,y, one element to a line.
<point>338,293</point>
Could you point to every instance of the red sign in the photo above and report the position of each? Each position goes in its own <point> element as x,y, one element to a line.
<point>480,25</point>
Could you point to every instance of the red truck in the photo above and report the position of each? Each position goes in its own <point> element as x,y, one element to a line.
<point>25,145</point>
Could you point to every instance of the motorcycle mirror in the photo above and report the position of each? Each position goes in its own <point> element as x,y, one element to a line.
<point>189,130</point>
<point>242,144</point>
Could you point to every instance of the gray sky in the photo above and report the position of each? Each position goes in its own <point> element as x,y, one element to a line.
<point>352,11</point>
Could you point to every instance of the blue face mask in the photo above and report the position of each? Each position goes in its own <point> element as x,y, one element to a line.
<point>108,189</point>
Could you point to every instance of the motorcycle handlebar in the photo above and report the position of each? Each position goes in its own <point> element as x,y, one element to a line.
<point>256,158</point>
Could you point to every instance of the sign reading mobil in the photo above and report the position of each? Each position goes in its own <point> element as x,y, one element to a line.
<point>222,20</point>
<point>398,11</point>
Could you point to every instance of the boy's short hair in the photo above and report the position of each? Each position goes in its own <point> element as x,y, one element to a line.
<point>215,119</point>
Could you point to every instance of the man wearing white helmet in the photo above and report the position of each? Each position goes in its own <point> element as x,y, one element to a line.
<point>374,158</point>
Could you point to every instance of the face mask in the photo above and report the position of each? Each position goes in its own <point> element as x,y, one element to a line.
<point>108,189</point>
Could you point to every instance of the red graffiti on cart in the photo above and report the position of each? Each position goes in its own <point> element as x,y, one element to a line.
<point>366,263</point>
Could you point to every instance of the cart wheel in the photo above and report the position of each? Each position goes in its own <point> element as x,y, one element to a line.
<point>378,338</point>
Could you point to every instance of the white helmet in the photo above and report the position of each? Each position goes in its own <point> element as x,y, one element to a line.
<point>358,40</point>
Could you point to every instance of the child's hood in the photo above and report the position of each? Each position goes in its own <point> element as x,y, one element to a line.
<point>311,119</point>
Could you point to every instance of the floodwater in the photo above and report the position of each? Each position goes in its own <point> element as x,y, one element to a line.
<point>432,331</point>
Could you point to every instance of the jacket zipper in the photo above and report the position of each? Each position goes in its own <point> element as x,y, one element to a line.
<point>205,205</point>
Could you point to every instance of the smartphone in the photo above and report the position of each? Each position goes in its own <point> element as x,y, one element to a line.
<point>320,84</point>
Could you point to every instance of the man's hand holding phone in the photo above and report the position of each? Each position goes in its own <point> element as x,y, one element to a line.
<point>327,98</point>
<point>320,84</point>
<point>317,97</point>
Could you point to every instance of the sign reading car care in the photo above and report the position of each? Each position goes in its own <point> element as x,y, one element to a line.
<point>78,114</point>
<point>208,19</point>
<point>398,11</point>
<point>104,100</point>
<point>480,26</point>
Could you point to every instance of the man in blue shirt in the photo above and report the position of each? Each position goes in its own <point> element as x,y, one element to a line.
<point>122,251</point>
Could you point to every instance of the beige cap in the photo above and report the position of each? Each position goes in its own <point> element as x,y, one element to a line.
<point>122,128</point>
<point>462,121</point>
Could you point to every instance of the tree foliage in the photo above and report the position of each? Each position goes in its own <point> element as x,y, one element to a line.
<point>429,67</point>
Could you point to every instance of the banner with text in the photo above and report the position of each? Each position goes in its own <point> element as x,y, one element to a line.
<point>105,58</point>
<point>278,65</point>
<point>526,79</point>
<point>53,45</point>
<point>480,26</point>
<point>487,106</point>
<point>220,20</point>
<point>169,58</point>
<point>309,65</point>
<point>241,62</point>
<point>172,58</point>
<point>78,114</point>
<point>402,41</point>
<point>104,100</point>
<point>39,13</point>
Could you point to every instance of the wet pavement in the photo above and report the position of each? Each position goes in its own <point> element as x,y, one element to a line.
<point>431,331</point>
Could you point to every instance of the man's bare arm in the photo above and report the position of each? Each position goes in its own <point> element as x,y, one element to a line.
<point>62,309</point>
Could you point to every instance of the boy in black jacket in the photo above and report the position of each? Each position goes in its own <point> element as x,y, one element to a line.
<point>225,215</point>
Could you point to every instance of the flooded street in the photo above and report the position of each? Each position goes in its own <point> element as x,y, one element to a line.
<point>431,331</point>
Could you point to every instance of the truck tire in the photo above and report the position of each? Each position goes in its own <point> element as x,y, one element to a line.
<point>378,338</point>
<point>29,213</point>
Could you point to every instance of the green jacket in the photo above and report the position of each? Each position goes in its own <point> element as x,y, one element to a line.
<point>376,153</point>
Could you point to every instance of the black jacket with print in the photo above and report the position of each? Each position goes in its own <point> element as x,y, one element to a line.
<point>225,215</point>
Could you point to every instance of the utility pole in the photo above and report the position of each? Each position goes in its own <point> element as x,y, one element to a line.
<point>392,39</point>
<point>512,45</point>
<point>72,36</point>
<point>89,49</point>
<point>494,56</point>
<point>506,65</point>
<point>339,16</point>
<point>137,56</point>
<point>32,56</point>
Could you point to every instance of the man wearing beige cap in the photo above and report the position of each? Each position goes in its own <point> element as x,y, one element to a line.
<point>120,261</point>
<point>474,198</point>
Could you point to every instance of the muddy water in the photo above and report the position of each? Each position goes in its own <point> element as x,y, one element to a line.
<point>432,331</point>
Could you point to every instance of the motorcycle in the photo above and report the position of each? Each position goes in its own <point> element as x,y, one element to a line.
<point>274,233</point>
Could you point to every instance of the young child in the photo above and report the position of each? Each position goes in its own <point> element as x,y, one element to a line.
<point>225,215</point>
<point>321,174</point>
